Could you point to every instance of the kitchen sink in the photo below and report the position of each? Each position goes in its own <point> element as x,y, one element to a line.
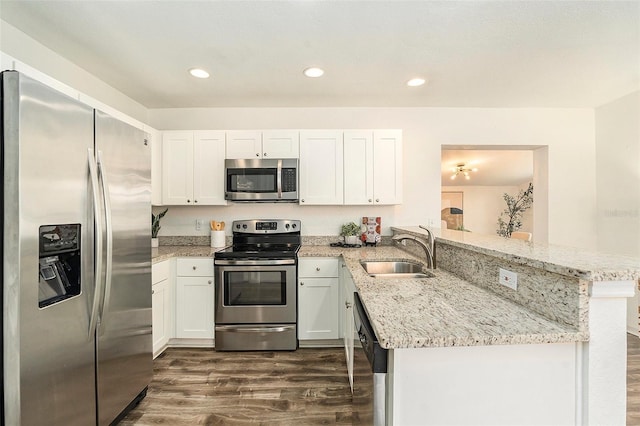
<point>395,269</point>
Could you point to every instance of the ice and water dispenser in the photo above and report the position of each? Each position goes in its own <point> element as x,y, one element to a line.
<point>59,255</point>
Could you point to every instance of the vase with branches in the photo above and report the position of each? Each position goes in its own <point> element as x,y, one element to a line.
<point>510,219</point>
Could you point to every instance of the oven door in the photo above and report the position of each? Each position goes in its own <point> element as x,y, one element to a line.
<point>255,291</point>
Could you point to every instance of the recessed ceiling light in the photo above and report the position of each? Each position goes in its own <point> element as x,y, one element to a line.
<point>414,82</point>
<point>314,72</point>
<point>198,72</point>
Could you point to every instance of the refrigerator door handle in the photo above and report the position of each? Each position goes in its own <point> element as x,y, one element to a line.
<point>109,230</point>
<point>97,212</point>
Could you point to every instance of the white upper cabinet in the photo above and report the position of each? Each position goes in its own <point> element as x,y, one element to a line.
<point>373,167</point>
<point>244,144</point>
<point>193,167</point>
<point>177,167</point>
<point>358,167</point>
<point>387,167</point>
<point>321,169</point>
<point>280,144</point>
<point>156,167</point>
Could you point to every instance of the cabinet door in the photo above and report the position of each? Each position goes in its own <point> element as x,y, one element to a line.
<point>177,168</point>
<point>194,307</point>
<point>321,168</point>
<point>358,167</point>
<point>160,314</point>
<point>280,144</point>
<point>348,326</point>
<point>243,144</point>
<point>387,166</point>
<point>318,308</point>
<point>208,170</point>
<point>155,138</point>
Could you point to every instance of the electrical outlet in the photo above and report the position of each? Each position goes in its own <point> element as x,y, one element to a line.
<point>509,279</point>
<point>199,224</point>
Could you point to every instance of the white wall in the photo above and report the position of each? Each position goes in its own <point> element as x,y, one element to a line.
<point>567,132</point>
<point>23,48</point>
<point>618,183</point>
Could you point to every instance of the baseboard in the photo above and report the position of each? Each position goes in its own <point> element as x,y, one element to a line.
<point>321,343</point>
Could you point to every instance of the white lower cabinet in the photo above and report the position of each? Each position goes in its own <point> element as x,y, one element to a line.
<point>194,298</point>
<point>348,324</point>
<point>161,305</point>
<point>318,299</point>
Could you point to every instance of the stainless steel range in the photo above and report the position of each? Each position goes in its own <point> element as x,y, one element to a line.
<point>255,287</point>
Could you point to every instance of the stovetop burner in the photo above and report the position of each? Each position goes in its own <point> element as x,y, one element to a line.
<point>263,239</point>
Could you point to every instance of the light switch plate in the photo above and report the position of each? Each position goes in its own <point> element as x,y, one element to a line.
<point>508,278</point>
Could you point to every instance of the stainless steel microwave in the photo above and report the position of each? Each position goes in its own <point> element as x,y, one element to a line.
<point>261,180</point>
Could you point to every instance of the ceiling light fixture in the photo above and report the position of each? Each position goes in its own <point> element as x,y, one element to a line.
<point>199,73</point>
<point>462,169</point>
<point>415,82</point>
<point>314,72</point>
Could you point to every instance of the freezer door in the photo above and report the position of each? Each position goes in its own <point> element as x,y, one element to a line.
<point>124,347</point>
<point>48,371</point>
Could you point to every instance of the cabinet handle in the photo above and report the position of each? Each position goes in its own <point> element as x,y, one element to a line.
<point>370,200</point>
<point>195,201</point>
<point>188,201</point>
<point>153,292</point>
<point>301,283</point>
<point>209,281</point>
<point>377,200</point>
<point>343,265</point>
<point>318,269</point>
<point>257,154</point>
<point>347,305</point>
<point>264,155</point>
<point>194,268</point>
<point>302,200</point>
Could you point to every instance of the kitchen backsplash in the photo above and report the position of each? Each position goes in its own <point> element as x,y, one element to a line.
<point>205,240</point>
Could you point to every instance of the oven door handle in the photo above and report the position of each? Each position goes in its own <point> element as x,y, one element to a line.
<point>246,262</point>
<point>244,329</point>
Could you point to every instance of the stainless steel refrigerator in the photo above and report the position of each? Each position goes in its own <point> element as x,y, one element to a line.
<point>76,270</point>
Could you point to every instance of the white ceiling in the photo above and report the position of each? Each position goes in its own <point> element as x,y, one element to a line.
<point>474,53</point>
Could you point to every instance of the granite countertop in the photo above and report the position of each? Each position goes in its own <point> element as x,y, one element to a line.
<point>440,311</point>
<point>568,261</point>
<point>167,252</point>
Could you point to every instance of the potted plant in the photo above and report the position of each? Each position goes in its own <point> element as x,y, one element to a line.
<point>155,226</point>
<point>350,231</point>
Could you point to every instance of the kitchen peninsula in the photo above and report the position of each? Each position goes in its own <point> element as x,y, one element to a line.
<point>464,349</point>
<point>576,376</point>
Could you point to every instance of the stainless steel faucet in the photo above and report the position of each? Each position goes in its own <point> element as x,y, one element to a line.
<point>425,246</point>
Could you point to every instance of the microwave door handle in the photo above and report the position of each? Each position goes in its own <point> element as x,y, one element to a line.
<point>279,179</point>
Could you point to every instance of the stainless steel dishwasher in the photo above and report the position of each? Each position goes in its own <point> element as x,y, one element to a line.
<point>369,370</point>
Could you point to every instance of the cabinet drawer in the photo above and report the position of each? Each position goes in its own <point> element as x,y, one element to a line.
<point>318,267</point>
<point>159,271</point>
<point>190,267</point>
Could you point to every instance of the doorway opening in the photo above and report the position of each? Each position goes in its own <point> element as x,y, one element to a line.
<point>477,177</point>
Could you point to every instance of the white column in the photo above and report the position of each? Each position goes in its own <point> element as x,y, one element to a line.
<point>605,357</point>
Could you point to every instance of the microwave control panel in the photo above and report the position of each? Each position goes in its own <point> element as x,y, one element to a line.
<point>289,180</point>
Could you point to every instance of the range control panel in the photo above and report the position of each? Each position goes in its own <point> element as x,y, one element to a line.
<point>266,226</point>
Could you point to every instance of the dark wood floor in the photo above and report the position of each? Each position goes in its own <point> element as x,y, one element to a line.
<point>306,387</point>
<point>204,387</point>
